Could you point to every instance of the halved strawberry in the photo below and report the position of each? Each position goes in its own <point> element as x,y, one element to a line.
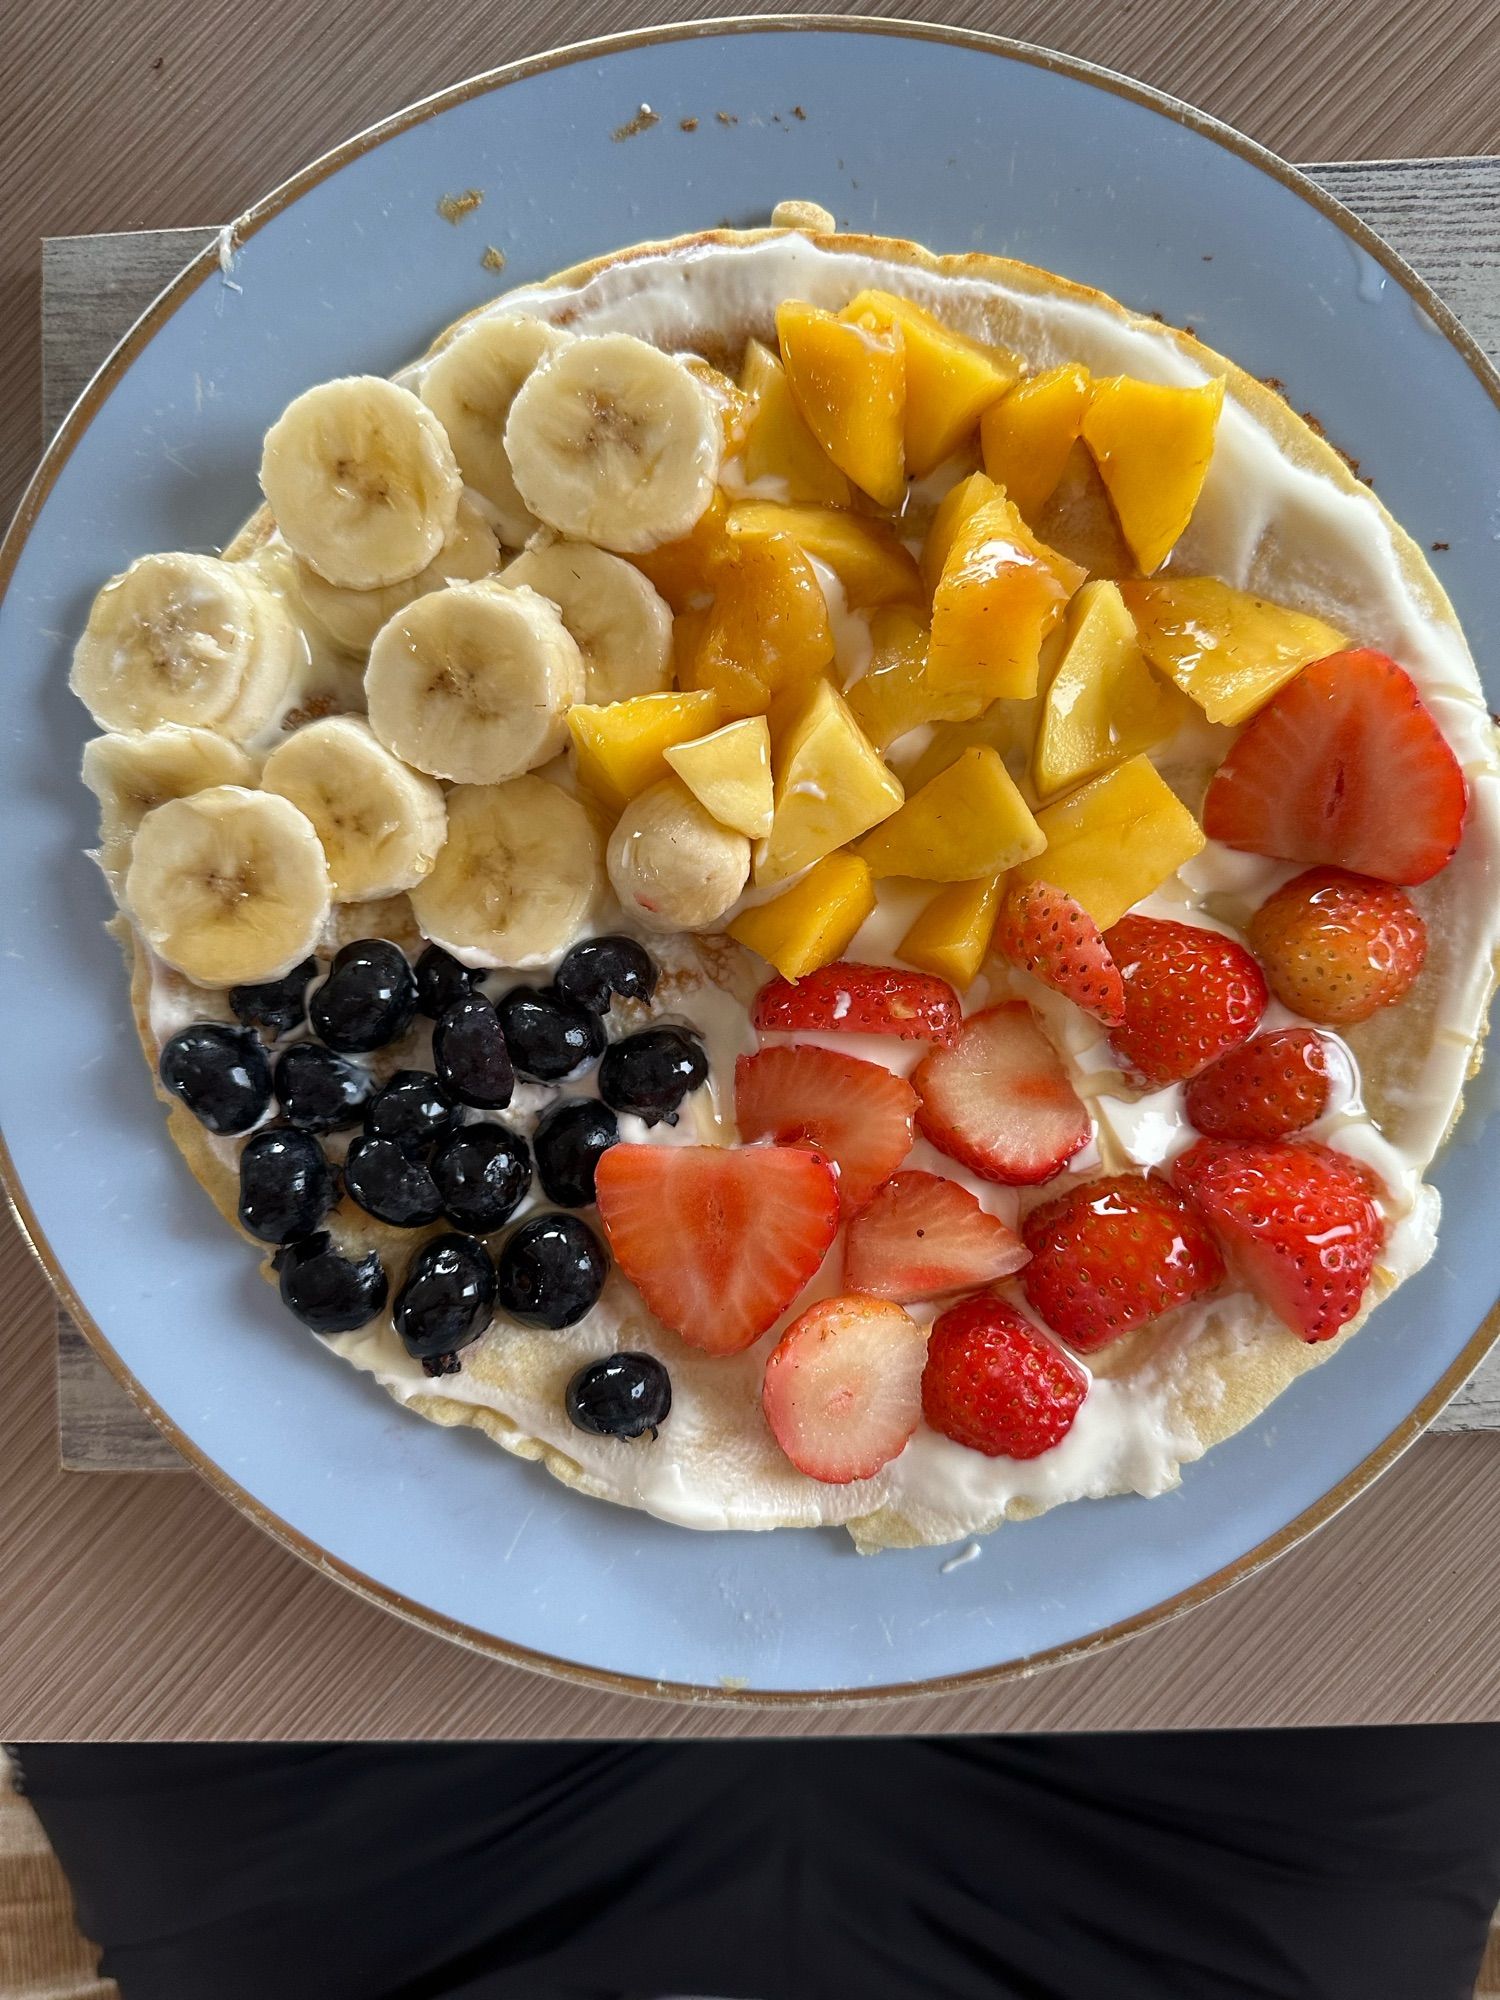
<point>1344,766</point>
<point>1113,1253</point>
<point>1190,994</point>
<point>1339,947</point>
<point>718,1240</point>
<point>856,1113</point>
<point>861,1000</point>
<point>922,1235</point>
<point>1045,932</point>
<point>1298,1224</point>
<point>996,1383</point>
<point>999,1101</point>
<point>1267,1088</point>
<point>843,1387</point>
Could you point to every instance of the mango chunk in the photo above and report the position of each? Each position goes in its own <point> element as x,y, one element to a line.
<point>733,401</point>
<point>863,554</point>
<point>1103,702</point>
<point>813,922</point>
<point>1000,594</point>
<point>777,442</point>
<point>831,785</point>
<point>893,695</point>
<point>1152,446</point>
<point>621,747</point>
<point>1005,726</point>
<point>967,821</point>
<point>729,773</point>
<point>957,506</point>
<point>849,382</point>
<point>1027,435</point>
<point>1228,650</point>
<point>684,571</point>
<point>768,627</point>
<point>1114,840</point>
<point>950,379</point>
<point>951,934</point>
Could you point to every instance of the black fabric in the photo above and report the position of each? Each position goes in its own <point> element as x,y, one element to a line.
<point>1320,1865</point>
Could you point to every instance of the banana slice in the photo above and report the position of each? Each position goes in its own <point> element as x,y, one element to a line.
<point>469,387</point>
<point>474,683</point>
<point>362,481</point>
<point>229,885</point>
<point>518,878</point>
<point>188,639</point>
<point>351,618</point>
<point>614,442</point>
<point>673,867</point>
<point>132,775</point>
<point>381,824</point>
<point>622,626</point>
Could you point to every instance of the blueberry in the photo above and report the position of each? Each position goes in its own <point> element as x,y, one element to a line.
<point>552,1271</point>
<point>441,980</point>
<point>279,1005</point>
<point>286,1185</point>
<point>482,1174</point>
<point>320,1091</point>
<point>568,1141</point>
<point>601,968</point>
<point>330,1293</point>
<point>367,999</point>
<point>220,1074</point>
<point>469,1053</point>
<point>548,1037</point>
<point>652,1072</point>
<point>390,1185</point>
<point>413,1109</point>
<point>623,1396</point>
<point>446,1301</point>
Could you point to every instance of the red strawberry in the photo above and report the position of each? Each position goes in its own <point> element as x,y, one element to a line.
<point>999,1101</point>
<point>718,1240</point>
<point>843,1387</point>
<point>1344,766</point>
<point>996,1383</point>
<point>1113,1253</point>
<point>1298,1225</point>
<point>857,1114</point>
<point>861,1000</point>
<point>1047,934</point>
<point>1338,947</point>
<point>1190,994</point>
<point>1267,1088</point>
<point>922,1235</point>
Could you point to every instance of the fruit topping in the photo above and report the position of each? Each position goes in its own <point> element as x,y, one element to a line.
<point>277,1005</point>
<point>767,630</point>
<point>968,821</point>
<point>482,1175</point>
<point>446,1300</point>
<point>996,1383</point>
<point>861,1000</point>
<point>856,1114</point>
<point>1152,446</point>
<point>470,1054</point>
<point>1114,840</point>
<point>1338,947</point>
<point>380,823</point>
<point>848,381</point>
<point>551,1271</point>
<point>548,1036</point>
<point>220,1074</point>
<point>368,998</point>
<point>390,1185</point>
<point>328,1292</point>
<point>568,1141</point>
<point>413,1109</point>
<point>831,785</point>
<point>999,1102</point>
<point>620,747</point>
<point>812,922</point>
<point>921,1235</point>
<point>778,443</point>
<point>286,1185</point>
<point>1268,1088</point>
<point>470,387</point>
<point>1113,1253</point>
<point>672,866</point>
<point>1027,435</point>
<point>601,970</point>
<point>441,980</point>
<point>1190,994</point>
<point>1102,701</point>
<point>951,935</point>
<point>1047,934</point>
<point>949,378</point>
<point>319,1091</point>
<point>999,594</point>
<point>622,1396</point>
<point>649,1074</point>
<point>871,566</point>
<point>893,695</point>
<point>843,1387</point>
<point>729,773</point>
<point>1228,650</point>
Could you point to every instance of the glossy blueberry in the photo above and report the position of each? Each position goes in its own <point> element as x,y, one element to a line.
<point>469,1054</point>
<point>552,1271</point>
<point>441,980</point>
<point>602,969</point>
<point>568,1141</point>
<point>279,1005</point>
<point>328,1292</point>
<point>368,998</point>
<point>286,1185</point>
<point>389,1184</point>
<point>413,1109</point>
<point>482,1174</point>
<point>320,1091</point>
<point>548,1036</point>
<point>446,1300</point>
<point>220,1074</point>
<point>652,1072</point>
<point>623,1396</point>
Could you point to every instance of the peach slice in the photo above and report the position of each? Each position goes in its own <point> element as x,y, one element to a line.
<point>1114,840</point>
<point>768,627</point>
<point>966,822</point>
<point>951,934</point>
<point>1228,650</point>
<point>893,695</point>
<point>778,443</point>
<point>849,383</point>
<point>621,747</point>
<point>863,554</point>
<point>950,379</point>
<point>729,773</point>
<point>1103,703</point>
<point>813,922</point>
<point>1152,446</point>
<point>684,571</point>
<point>1027,435</point>
<point>831,785</point>
<point>1000,593</point>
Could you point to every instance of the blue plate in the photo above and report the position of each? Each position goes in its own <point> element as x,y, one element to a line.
<point>961,143</point>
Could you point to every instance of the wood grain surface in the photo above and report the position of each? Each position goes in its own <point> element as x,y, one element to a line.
<point>147,1608</point>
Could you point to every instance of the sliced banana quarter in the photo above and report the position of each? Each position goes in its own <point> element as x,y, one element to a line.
<point>518,878</point>
<point>229,885</point>
<point>380,823</point>
<point>673,867</point>
<point>614,442</point>
<point>469,385</point>
<point>362,481</point>
<point>132,775</point>
<point>351,618</point>
<point>621,624</point>
<point>474,683</point>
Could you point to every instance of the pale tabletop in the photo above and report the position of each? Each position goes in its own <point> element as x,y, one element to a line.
<point>141,1607</point>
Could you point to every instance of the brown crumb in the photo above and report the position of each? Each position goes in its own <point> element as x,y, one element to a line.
<point>1348,457</point>
<point>312,710</point>
<point>798,112</point>
<point>1313,425</point>
<point>493,259</point>
<point>726,118</point>
<point>159,63</point>
<point>1191,332</point>
<point>687,124</point>
<point>1439,545</point>
<point>454,207</point>
<point>1208,256</point>
<point>565,316</point>
<point>1275,383</point>
<point>643,120</point>
<point>1160,318</point>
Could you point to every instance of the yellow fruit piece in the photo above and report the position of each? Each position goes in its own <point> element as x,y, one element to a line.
<point>893,695</point>
<point>768,627</point>
<point>849,382</point>
<point>950,378</point>
<point>733,402</point>
<point>1152,446</point>
<point>1103,702</point>
<point>1228,650</point>
<point>777,442</point>
<point>1114,840</point>
<point>1005,726</point>
<point>967,821</point>
<point>951,934</point>
<point>729,774</point>
<point>863,554</point>
<point>830,786</point>
<point>958,505</point>
<point>621,747</point>
<point>684,571</point>
<point>1000,594</point>
<point>1027,435</point>
<point>813,922</point>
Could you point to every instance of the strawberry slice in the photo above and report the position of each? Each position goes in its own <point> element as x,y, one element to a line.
<point>718,1240</point>
<point>1298,1224</point>
<point>999,1101</point>
<point>1267,1088</point>
<point>1047,934</point>
<point>1190,994</point>
<point>856,1113</point>
<point>1345,766</point>
<point>996,1383</point>
<point>861,1000</point>
<point>922,1235</point>
<point>843,1388</point>
<point>1339,947</point>
<point>1112,1254</point>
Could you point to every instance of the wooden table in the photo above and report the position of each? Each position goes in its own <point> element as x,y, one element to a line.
<point>144,1607</point>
